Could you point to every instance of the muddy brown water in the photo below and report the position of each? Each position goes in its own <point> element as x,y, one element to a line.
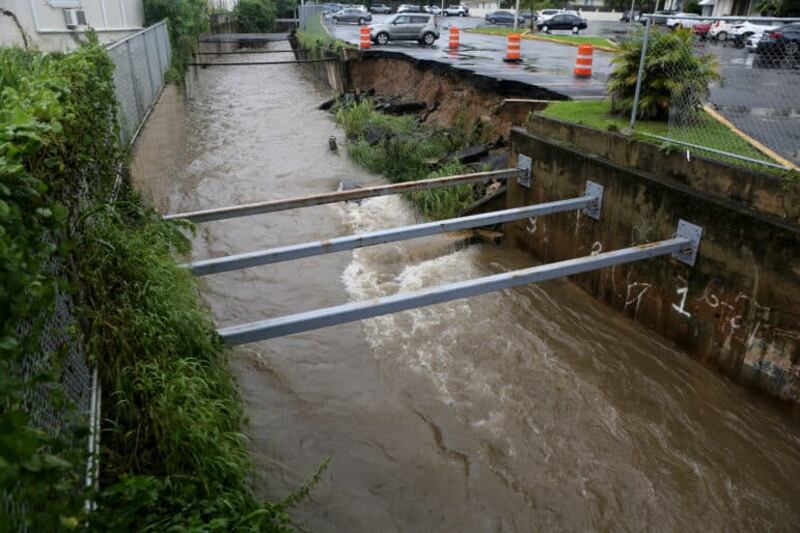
<point>530,409</point>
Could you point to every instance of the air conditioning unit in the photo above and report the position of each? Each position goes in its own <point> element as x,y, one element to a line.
<point>75,18</point>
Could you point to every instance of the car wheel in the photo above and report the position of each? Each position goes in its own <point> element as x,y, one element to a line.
<point>461,15</point>
<point>361,22</point>
<point>382,38</point>
<point>676,27</point>
<point>428,38</point>
<point>335,20</point>
<point>575,30</point>
<point>546,28</point>
<point>722,36</point>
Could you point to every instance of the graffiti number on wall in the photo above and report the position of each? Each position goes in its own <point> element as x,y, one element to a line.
<point>683,292</point>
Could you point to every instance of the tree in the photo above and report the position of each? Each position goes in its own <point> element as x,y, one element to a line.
<point>672,72</point>
<point>766,8</point>
<point>693,6</point>
<point>254,16</point>
<point>790,8</point>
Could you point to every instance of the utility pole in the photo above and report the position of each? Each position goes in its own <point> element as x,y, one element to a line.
<point>630,16</point>
<point>516,16</point>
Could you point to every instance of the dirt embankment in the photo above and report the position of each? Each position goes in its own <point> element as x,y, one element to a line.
<point>454,101</point>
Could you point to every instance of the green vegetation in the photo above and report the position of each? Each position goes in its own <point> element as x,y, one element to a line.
<point>47,104</point>
<point>319,45</point>
<point>672,71</point>
<point>186,19</point>
<point>575,40</point>
<point>172,453</point>
<point>254,16</point>
<point>407,151</point>
<point>706,131</point>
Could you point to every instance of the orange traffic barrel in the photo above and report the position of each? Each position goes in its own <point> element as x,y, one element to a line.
<point>365,41</point>
<point>583,64</point>
<point>454,34</point>
<point>512,54</point>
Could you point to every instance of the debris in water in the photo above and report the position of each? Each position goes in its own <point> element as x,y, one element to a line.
<point>332,145</point>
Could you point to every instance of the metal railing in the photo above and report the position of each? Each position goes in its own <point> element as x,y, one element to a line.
<point>140,63</point>
<point>736,96</point>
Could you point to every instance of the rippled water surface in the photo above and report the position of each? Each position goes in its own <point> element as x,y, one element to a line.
<point>531,409</point>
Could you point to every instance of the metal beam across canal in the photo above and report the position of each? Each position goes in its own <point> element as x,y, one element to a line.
<point>243,52</point>
<point>683,248</point>
<point>272,206</point>
<point>351,242</point>
<point>242,63</point>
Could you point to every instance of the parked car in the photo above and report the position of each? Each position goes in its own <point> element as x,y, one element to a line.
<point>380,9</point>
<point>660,21</point>
<point>456,11</point>
<point>409,8</point>
<point>406,27</point>
<point>362,7</point>
<point>433,10</point>
<point>630,16</point>
<point>562,21</point>
<point>721,29</point>
<point>549,13</point>
<point>690,21</point>
<point>741,32</point>
<point>352,15</point>
<point>500,17</point>
<point>751,43</point>
<point>701,30</point>
<point>527,15</point>
<point>781,45</point>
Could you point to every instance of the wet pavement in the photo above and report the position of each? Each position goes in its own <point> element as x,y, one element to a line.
<point>762,102</point>
<point>545,65</point>
<point>532,409</point>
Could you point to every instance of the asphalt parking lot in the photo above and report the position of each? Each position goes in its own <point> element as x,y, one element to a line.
<point>762,102</point>
<point>545,65</point>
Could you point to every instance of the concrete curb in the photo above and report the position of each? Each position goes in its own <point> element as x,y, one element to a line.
<point>531,37</point>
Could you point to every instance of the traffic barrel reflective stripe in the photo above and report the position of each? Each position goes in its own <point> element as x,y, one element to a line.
<point>583,63</point>
<point>365,41</point>
<point>513,50</point>
<point>454,36</point>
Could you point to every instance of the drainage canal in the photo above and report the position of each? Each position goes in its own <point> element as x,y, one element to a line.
<point>529,409</point>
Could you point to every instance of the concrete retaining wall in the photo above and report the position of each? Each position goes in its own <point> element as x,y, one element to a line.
<point>737,310</point>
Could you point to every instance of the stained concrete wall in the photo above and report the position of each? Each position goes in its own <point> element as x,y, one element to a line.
<point>737,309</point>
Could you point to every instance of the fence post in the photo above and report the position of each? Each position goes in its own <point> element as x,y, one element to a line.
<point>645,39</point>
<point>134,82</point>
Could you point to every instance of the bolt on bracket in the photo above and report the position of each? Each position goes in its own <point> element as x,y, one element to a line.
<point>595,190</point>
<point>693,233</point>
<point>524,164</point>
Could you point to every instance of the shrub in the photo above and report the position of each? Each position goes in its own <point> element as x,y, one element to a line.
<point>254,16</point>
<point>407,152</point>
<point>672,72</point>
<point>187,19</point>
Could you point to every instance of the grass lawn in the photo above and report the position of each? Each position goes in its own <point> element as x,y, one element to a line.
<point>574,40</point>
<point>707,132</point>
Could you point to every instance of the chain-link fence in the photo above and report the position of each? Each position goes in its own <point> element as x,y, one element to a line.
<point>73,402</point>
<point>141,61</point>
<point>311,19</point>
<point>733,92</point>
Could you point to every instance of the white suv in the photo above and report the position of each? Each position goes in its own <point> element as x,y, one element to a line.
<point>456,11</point>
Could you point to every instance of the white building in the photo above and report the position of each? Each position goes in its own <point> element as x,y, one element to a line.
<point>51,25</point>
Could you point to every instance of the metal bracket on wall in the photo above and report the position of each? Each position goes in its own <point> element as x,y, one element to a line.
<point>692,233</point>
<point>525,164</point>
<point>595,190</point>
